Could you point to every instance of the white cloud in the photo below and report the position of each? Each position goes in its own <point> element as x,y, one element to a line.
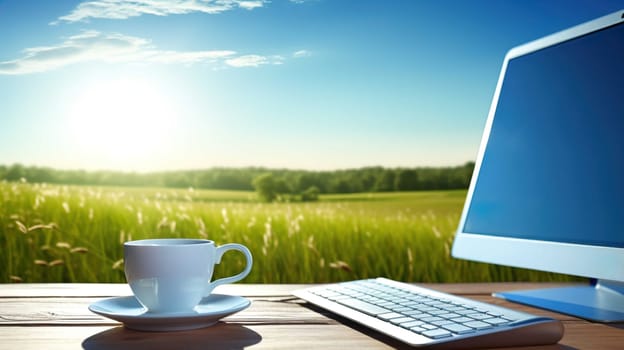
<point>247,61</point>
<point>277,59</point>
<point>301,53</point>
<point>122,9</point>
<point>93,46</point>
<point>254,61</point>
<point>189,57</point>
<point>250,5</point>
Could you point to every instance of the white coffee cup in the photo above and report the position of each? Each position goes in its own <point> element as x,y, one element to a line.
<point>173,275</point>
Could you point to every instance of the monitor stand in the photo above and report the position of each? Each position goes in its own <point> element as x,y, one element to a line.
<point>602,301</point>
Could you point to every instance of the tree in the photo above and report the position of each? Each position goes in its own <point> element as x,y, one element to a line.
<point>304,181</point>
<point>310,195</point>
<point>281,186</point>
<point>177,180</point>
<point>15,172</point>
<point>406,180</point>
<point>385,181</point>
<point>266,187</point>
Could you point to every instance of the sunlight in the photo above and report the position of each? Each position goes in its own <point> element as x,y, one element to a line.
<point>122,120</point>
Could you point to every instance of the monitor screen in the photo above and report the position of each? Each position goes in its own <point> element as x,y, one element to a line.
<point>548,188</point>
<point>553,168</point>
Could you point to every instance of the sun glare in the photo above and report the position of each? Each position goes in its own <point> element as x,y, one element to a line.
<point>122,122</point>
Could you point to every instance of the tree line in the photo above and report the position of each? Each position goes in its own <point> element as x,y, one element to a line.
<point>283,181</point>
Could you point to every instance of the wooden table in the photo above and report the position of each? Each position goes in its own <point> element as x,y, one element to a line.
<point>55,316</point>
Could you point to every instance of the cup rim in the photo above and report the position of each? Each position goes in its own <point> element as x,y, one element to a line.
<point>168,242</point>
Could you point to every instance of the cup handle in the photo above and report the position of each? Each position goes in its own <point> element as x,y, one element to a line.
<point>219,254</point>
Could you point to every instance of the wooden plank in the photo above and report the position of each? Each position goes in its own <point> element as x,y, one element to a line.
<point>36,290</point>
<point>74,311</point>
<point>237,336</point>
<point>586,335</point>
<point>220,336</point>
<point>48,309</point>
<point>55,316</point>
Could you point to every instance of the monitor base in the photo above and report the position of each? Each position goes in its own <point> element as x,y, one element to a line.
<point>601,302</point>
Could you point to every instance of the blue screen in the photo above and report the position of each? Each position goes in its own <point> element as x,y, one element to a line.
<point>553,167</point>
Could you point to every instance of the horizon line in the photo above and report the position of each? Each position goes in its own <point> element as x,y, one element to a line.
<point>262,167</point>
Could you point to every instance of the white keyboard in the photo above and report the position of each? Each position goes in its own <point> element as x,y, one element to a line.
<point>424,317</point>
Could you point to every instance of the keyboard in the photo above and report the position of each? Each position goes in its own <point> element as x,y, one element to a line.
<point>423,317</point>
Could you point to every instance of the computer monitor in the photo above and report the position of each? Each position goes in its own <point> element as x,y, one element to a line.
<point>548,188</point>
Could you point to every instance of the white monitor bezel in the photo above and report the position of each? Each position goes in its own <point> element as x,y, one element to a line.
<point>575,259</point>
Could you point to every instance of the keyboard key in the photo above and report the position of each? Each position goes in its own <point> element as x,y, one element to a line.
<point>455,308</point>
<point>401,320</point>
<point>401,309</point>
<point>437,312</point>
<point>431,319</point>
<point>412,324</point>
<point>418,329</point>
<point>478,316</point>
<point>437,333</point>
<point>496,321</point>
<point>441,323</point>
<point>387,304</point>
<point>389,315</point>
<point>396,299</point>
<point>417,314</point>
<point>458,328</point>
<point>425,308</point>
<point>478,325</point>
<point>462,319</point>
<point>411,303</point>
<point>465,311</point>
<point>363,306</point>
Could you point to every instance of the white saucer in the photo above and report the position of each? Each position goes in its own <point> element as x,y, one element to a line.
<point>133,315</point>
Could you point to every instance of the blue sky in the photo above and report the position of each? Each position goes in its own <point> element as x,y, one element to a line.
<point>314,84</point>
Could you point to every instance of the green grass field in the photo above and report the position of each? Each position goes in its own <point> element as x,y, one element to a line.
<point>51,233</point>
